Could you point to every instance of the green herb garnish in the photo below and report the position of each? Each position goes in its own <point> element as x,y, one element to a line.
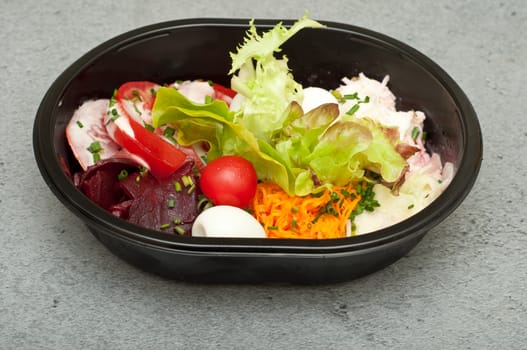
<point>95,147</point>
<point>415,133</point>
<point>149,127</point>
<point>122,175</point>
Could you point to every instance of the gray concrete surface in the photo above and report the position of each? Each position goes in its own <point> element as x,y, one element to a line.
<point>463,287</point>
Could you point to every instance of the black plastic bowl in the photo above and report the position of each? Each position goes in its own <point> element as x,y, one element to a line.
<point>198,48</point>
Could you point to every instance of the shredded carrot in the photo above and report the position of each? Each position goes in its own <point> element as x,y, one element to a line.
<point>321,216</point>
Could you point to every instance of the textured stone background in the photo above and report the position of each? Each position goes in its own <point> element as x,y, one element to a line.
<point>463,287</point>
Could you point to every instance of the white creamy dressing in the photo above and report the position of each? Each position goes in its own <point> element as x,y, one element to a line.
<point>427,176</point>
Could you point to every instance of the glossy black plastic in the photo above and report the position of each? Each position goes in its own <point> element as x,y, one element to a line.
<point>198,48</point>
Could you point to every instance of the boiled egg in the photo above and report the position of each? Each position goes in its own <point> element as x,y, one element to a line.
<point>227,221</point>
<point>315,96</point>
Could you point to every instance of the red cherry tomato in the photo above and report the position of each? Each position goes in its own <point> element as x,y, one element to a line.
<point>229,180</point>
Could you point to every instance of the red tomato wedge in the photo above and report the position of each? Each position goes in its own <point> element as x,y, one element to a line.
<point>223,93</point>
<point>142,93</point>
<point>134,101</point>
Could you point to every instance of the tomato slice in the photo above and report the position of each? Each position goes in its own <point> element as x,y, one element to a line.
<point>141,93</point>
<point>161,161</point>
<point>134,101</point>
<point>223,93</point>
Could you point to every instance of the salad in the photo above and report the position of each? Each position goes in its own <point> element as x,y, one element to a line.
<point>263,157</point>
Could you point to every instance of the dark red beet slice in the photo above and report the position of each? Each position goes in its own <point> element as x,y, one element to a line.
<point>141,198</point>
<point>160,204</point>
<point>121,209</point>
<point>100,182</point>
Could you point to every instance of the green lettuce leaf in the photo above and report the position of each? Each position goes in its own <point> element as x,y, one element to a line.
<point>264,80</point>
<point>302,153</point>
<point>320,146</point>
<point>213,123</point>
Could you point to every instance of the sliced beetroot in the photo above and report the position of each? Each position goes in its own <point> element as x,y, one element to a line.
<point>161,204</point>
<point>100,182</point>
<point>121,209</point>
<point>141,198</point>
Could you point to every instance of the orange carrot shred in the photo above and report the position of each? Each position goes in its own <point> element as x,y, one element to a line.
<point>321,216</point>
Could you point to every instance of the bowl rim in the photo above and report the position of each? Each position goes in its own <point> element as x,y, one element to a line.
<point>96,217</point>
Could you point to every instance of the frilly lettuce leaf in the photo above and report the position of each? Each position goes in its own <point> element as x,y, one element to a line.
<point>264,80</point>
<point>262,47</point>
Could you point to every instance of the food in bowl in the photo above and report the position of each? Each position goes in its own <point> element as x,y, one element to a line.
<point>303,162</point>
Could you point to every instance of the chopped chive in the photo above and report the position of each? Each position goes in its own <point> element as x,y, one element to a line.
<point>415,133</point>
<point>367,201</point>
<point>95,147</point>
<point>294,209</point>
<point>345,193</point>
<point>114,115</point>
<point>143,170</point>
<point>171,203</point>
<point>353,109</point>
<point>410,206</point>
<point>440,181</point>
<point>354,96</point>
<point>153,92</point>
<point>137,109</point>
<point>338,96</point>
<point>149,127</point>
<point>164,226</point>
<point>187,180</point>
<point>176,220</point>
<point>191,188</point>
<point>113,99</point>
<point>169,132</point>
<point>177,186</point>
<point>122,175</point>
<point>180,230</point>
<point>366,100</point>
<point>272,227</point>
<point>208,99</point>
<point>294,223</point>
<point>136,95</point>
<point>203,203</point>
<point>80,124</point>
<point>96,157</point>
<point>210,82</point>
